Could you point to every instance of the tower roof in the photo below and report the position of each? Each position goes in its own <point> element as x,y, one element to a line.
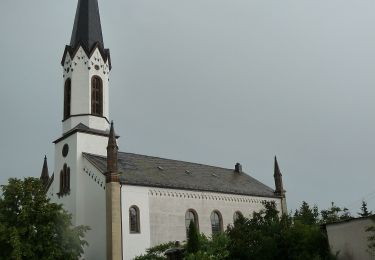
<point>87,29</point>
<point>277,171</point>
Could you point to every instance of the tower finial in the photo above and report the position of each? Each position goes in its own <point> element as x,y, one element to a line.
<point>44,177</point>
<point>112,150</point>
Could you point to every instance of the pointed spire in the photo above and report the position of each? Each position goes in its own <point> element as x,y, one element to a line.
<point>112,150</point>
<point>278,179</point>
<point>44,177</point>
<point>87,29</point>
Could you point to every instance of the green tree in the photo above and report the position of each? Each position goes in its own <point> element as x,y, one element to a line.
<point>334,214</point>
<point>192,245</point>
<point>364,211</point>
<point>31,227</point>
<point>307,215</point>
<point>156,252</point>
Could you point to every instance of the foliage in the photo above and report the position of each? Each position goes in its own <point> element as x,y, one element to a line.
<point>215,248</point>
<point>307,215</point>
<point>268,236</point>
<point>33,228</point>
<point>156,252</point>
<point>334,214</point>
<point>364,211</point>
<point>192,245</point>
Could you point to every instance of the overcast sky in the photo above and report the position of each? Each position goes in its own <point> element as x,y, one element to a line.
<point>209,81</point>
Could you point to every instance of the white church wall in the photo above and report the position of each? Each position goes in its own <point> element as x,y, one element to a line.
<point>135,243</point>
<point>93,210</point>
<point>168,208</point>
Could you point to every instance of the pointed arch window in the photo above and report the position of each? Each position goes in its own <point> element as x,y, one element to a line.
<point>96,96</point>
<point>67,97</point>
<point>191,216</point>
<point>64,180</point>
<point>216,222</point>
<point>134,220</point>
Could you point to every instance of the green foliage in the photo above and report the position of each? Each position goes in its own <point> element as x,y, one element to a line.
<point>334,214</point>
<point>192,245</point>
<point>268,236</point>
<point>307,215</point>
<point>33,228</point>
<point>364,211</point>
<point>211,249</point>
<point>156,252</point>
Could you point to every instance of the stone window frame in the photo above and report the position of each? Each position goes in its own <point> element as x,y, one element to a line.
<point>96,96</point>
<point>216,228</point>
<point>67,98</point>
<point>134,220</point>
<point>194,213</point>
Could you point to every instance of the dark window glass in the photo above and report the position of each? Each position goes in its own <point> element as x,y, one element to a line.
<point>67,98</point>
<point>190,216</point>
<point>134,219</point>
<point>64,180</point>
<point>216,222</point>
<point>97,96</point>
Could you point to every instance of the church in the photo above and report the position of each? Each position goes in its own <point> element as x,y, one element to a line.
<point>131,201</point>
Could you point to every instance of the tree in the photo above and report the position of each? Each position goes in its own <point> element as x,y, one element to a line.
<point>364,211</point>
<point>192,245</point>
<point>307,215</point>
<point>31,227</point>
<point>334,214</point>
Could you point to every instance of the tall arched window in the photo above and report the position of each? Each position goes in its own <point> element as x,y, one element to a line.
<point>96,96</point>
<point>67,97</point>
<point>237,215</point>
<point>64,181</point>
<point>134,220</point>
<point>191,216</point>
<point>216,222</point>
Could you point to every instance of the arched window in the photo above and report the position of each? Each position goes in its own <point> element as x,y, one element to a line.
<point>191,216</point>
<point>216,222</point>
<point>134,223</point>
<point>67,97</point>
<point>64,180</point>
<point>237,215</point>
<point>96,96</point>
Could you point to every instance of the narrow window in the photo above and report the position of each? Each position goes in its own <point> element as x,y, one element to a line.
<point>237,215</point>
<point>64,181</point>
<point>191,216</point>
<point>134,224</point>
<point>216,222</point>
<point>96,96</point>
<point>67,98</point>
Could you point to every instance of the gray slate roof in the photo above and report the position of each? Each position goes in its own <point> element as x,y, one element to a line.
<point>87,29</point>
<point>151,171</point>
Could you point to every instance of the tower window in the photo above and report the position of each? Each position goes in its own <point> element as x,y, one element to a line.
<point>134,224</point>
<point>67,97</point>
<point>64,181</point>
<point>96,96</point>
<point>190,216</point>
<point>216,222</point>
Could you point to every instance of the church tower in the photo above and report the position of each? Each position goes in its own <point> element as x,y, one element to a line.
<point>86,66</point>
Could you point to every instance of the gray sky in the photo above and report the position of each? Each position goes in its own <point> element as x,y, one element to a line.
<point>209,81</point>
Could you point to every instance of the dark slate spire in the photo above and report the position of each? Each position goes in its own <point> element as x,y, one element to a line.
<point>112,150</point>
<point>87,29</point>
<point>279,189</point>
<point>44,177</point>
